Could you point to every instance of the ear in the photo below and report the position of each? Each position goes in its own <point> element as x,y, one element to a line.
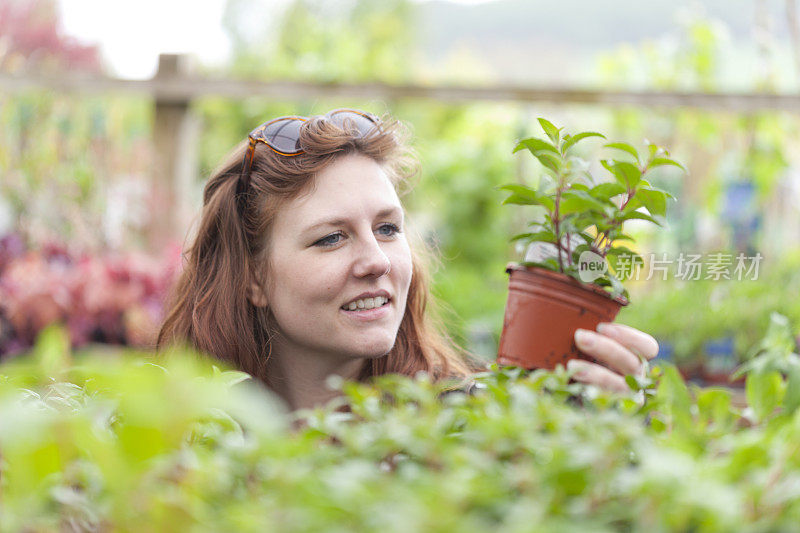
<point>257,295</point>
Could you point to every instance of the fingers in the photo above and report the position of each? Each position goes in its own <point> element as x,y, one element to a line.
<point>607,351</point>
<point>635,340</point>
<point>617,346</point>
<point>595,374</point>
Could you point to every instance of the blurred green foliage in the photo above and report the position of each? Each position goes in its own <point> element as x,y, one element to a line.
<point>60,155</point>
<point>720,149</point>
<point>688,313</point>
<point>125,441</point>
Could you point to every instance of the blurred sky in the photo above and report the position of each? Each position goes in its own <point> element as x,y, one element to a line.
<point>131,34</point>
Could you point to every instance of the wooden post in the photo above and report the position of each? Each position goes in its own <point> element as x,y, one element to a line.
<point>175,138</point>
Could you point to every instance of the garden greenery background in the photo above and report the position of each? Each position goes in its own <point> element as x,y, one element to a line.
<point>75,168</point>
<point>95,437</point>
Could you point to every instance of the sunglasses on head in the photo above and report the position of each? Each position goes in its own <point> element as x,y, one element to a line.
<point>282,136</point>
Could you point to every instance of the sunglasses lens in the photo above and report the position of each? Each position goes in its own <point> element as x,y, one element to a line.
<point>283,135</point>
<point>348,119</point>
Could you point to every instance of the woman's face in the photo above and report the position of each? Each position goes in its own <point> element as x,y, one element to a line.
<point>340,265</point>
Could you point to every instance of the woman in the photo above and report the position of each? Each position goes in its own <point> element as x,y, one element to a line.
<point>301,267</point>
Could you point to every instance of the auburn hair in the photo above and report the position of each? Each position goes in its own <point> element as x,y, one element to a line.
<point>209,307</point>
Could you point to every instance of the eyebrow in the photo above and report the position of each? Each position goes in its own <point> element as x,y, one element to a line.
<point>388,211</point>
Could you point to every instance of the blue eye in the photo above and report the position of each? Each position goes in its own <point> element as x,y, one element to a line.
<point>386,230</point>
<point>330,240</point>
<point>392,229</point>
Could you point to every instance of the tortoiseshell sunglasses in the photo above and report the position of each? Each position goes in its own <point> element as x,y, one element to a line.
<point>282,136</point>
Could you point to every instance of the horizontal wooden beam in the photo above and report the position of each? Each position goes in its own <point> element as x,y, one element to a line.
<point>181,89</point>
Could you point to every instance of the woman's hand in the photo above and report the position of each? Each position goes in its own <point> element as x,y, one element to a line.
<point>621,348</point>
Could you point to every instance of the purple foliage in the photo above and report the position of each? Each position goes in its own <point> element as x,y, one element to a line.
<point>110,298</point>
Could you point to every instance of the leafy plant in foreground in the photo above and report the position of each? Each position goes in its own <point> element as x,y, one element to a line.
<point>130,442</point>
<point>773,371</point>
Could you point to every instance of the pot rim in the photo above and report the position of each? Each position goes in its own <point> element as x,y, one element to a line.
<point>564,278</point>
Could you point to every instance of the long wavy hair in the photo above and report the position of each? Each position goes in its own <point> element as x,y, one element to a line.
<point>210,309</point>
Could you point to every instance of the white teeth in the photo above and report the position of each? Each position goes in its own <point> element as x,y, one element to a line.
<point>366,303</point>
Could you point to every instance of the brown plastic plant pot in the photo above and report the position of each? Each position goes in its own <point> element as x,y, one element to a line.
<point>543,310</point>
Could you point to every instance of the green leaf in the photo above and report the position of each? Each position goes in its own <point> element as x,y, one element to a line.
<point>661,161</point>
<point>633,203</point>
<point>538,236</point>
<point>580,249</point>
<point>791,400</point>
<point>523,195</point>
<point>522,190</point>
<point>714,406</point>
<point>625,147</point>
<point>764,392</point>
<point>232,377</point>
<point>546,153</point>
<point>654,200</point>
<point>577,223</point>
<point>520,236</point>
<point>658,425</point>
<point>549,129</point>
<point>549,161</point>
<point>638,215</point>
<point>534,145</point>
<point>625,173</point>
<point>608,189</point>
<point>571,140</point>
<point>549,264</point>
<point>579,202</point>
<point>775,352</point>
<point>674,400</point>
<point>52,351</point>
<point>518,199</point>
<point>616,285</point>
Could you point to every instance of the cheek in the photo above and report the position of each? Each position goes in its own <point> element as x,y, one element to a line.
<point>402,266</point>
<point>309,280</point>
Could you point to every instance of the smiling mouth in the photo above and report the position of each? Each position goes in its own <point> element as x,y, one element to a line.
<point>366,303</point>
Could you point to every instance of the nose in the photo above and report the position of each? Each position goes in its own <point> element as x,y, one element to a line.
<point>371,260</point>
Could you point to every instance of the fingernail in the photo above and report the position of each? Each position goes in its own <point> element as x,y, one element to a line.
<point>603,327</point>
<point>583,338</point>
<point>577,368</point>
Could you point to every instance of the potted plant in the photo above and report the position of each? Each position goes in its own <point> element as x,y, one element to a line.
<point>569,278</point>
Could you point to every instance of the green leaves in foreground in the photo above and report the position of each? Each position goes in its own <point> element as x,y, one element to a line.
<point>773,371</point>
<point>124,441</point>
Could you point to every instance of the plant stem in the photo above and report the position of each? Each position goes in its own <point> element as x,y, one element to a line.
<point>557,220</point>
<point>569,251</point>
<point>556,224</point>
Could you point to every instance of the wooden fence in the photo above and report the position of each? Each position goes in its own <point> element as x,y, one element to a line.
<point>176,129</point>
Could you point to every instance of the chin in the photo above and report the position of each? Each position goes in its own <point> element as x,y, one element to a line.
<point>373,350</point>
